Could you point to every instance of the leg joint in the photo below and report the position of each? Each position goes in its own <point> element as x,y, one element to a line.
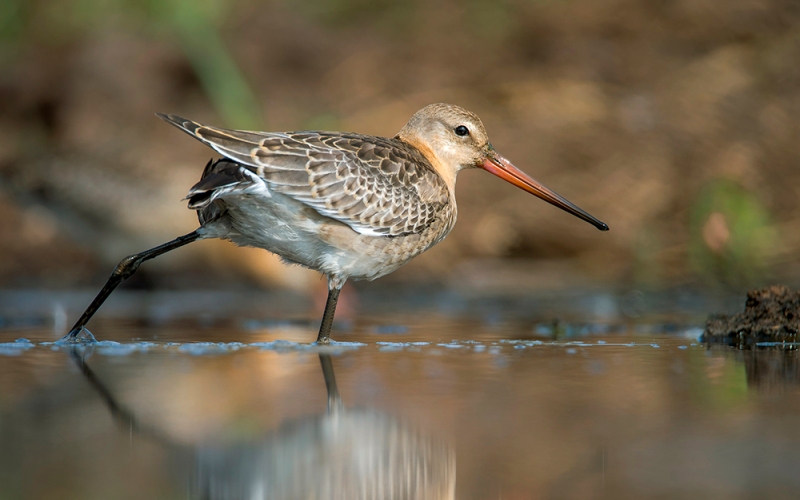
<point>127,266</point>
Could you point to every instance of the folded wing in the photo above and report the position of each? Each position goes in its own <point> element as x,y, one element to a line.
<point>374,185</point>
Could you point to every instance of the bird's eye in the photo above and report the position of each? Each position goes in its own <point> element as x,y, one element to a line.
<point>461,130</point>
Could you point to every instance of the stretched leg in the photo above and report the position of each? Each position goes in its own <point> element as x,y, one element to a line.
<point>119,413</point>
<point>124,417</point>
<point>334,287</point>
<point>125,270</point>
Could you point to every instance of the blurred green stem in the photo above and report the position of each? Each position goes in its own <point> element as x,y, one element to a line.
<point>218,72</point>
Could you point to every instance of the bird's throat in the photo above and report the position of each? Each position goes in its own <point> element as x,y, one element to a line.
<point>446,172</point>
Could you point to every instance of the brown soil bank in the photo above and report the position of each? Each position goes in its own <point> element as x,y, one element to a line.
<point>771,314</point>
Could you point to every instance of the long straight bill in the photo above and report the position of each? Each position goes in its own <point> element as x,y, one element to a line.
<point>499,166</point>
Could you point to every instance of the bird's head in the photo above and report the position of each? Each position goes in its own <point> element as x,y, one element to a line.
<point>453,139</point>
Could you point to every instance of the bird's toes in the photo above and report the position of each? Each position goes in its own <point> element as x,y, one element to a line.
<point>77,336</point>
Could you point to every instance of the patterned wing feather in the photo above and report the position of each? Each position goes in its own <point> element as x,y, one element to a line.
<point>374,185</point>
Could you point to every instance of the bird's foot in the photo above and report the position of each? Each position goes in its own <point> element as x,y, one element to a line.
<point>77,336</point>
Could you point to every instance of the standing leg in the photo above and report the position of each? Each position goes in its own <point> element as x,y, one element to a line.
<point>335,285</point>
<point>334,400</point>
<point>125,270</point>
<point>124,417</point>
<point>119,413</point>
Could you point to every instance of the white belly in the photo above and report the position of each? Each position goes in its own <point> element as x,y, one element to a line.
<point>300,235</point>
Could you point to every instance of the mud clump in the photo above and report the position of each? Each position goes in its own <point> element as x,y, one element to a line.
<point>771,314</point>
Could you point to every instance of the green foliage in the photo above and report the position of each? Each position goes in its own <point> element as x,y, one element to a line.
<point>716,384</point>
<point>732,237</point>
<point>194,23</point>
<point>12,17</point>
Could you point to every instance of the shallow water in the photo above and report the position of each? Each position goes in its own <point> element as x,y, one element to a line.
<point>432,405</point>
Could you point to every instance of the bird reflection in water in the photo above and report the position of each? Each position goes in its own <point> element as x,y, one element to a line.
<point>342,454</point>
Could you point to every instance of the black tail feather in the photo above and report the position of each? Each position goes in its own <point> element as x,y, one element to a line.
<point>217,175</point>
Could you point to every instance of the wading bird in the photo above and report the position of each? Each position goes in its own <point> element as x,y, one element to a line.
<point>350,206</point>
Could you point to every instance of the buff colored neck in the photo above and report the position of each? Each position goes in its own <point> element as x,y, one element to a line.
<point>447,172</point>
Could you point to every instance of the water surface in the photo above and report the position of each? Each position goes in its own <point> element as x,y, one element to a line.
<point>426,405</point>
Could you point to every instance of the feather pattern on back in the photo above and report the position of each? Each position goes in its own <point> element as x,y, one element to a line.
<point>377,186</point>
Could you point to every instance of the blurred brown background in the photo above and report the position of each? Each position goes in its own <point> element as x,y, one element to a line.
<point>672,120</point>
